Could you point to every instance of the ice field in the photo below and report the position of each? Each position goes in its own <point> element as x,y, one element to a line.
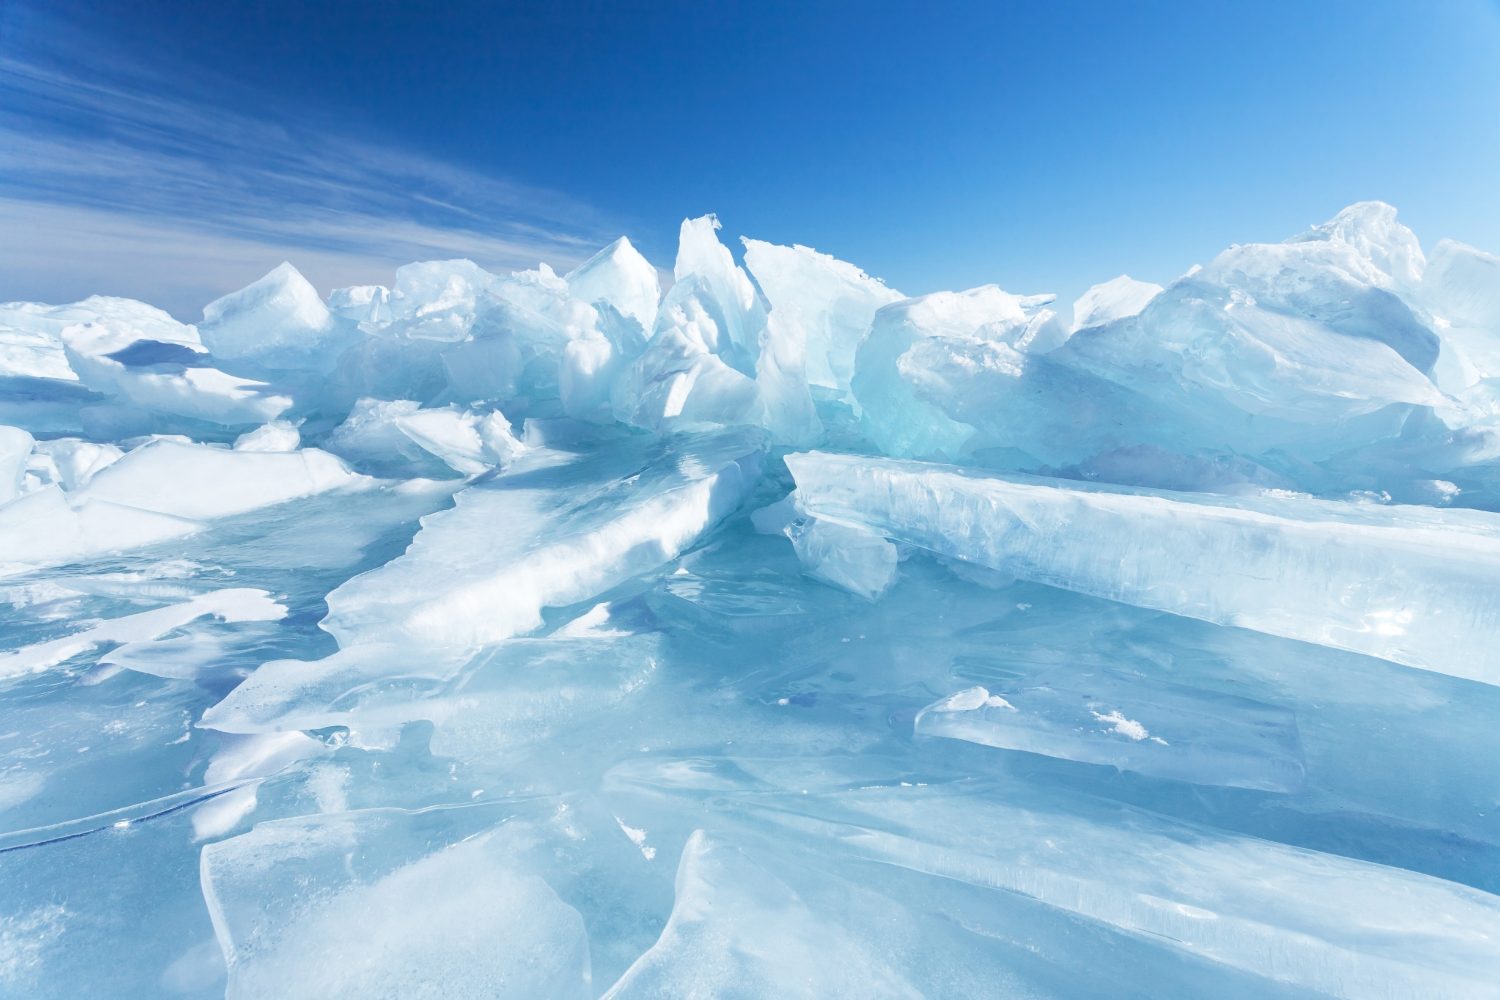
<point>773,635</point>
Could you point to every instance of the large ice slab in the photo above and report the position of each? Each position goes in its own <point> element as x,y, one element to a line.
<point>557,530</point>
<point>1316,921</point>
<point>826,302</point>
<point>738,931</point>
<point>1409,584</point>
<point>379,904</point>
<point>547,535</point>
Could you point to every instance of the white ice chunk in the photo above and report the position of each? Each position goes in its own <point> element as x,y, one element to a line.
<point>436,300</point>
<point>127,505</point>
<point>827,302</point>
<point>47,527</point>
<point>31,343</point>
<point>714,359</point>
<point>277,436</point>
<point>241,758</point>
<point>1114,299</point>
<point>1410,584</point>
<point>848,557</point>
<point>173,377</point>
<point>465,441</point>
<point>74,462</point>
<point>1370,229</point>
<point>1461,289</point>
<point>279,321</point>
<point>15,451</point>
<point>899,380</point>
<point>621,278</point>
<point>207,482</point>
<point>399,436</point>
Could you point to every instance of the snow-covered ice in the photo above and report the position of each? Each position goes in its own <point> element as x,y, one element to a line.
<point>751,629</point>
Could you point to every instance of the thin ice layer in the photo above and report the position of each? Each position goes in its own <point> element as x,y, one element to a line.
<point>1413,585</point>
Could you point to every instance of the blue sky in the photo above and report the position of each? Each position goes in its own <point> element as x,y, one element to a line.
<point>174,151</point>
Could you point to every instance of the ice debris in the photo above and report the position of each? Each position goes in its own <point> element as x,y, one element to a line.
<point>405,641</point>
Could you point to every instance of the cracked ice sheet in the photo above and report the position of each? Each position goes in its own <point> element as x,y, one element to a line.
<point>1300,918</point>
<point>552,532</point>
<point>440,915</point>
<point>1413,585</point>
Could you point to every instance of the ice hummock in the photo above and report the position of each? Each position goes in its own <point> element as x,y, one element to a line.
<point>548,634</point>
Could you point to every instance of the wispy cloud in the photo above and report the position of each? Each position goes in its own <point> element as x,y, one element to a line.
<point>112,180</point>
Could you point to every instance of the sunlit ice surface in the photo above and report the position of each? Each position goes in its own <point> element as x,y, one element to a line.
<point>545,635</point>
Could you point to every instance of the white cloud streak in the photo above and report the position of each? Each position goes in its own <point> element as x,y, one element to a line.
<point>110,180</point>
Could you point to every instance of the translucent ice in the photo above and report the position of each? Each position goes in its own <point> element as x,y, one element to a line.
<point>279,321</point>
<point>857,560</point>
<point>619,277</point>
<point>1115,299</point>
<point>828,303</point>
<point>479,635</point>
<point>1411,582</point>
<point>399,914</point>
<point>738,931</point>
<point>715,358</point>
<point>395,437</point>
<point>15,450</point>
<point>553,535</point>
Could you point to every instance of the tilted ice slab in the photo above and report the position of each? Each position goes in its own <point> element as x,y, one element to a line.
<point>545,536</point>
<point>738,931</point>
<point>551,533</point>
<point>1413,585</point>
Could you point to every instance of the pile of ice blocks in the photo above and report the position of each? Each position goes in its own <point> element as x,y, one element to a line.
<point>776,636</point>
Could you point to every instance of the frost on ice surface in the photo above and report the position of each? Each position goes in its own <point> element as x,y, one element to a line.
<point>769,634</point>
